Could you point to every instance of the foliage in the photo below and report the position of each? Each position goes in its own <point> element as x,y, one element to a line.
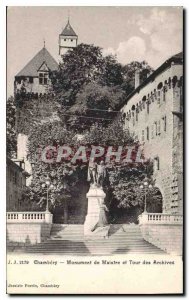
<point>129,74</point>
<point>126,183</point>
<point>88,83</point>
<point>11,132</point>
<point>33,112</point>
<point>123,186</point>
<point>87,90</point>
<point>95,103</point>
<point>63,175</point>
<point>80,66</point>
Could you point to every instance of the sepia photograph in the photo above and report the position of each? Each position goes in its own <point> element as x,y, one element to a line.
<point>94,149</point>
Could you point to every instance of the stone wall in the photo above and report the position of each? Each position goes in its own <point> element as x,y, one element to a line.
<point>22,153</point>
<point>167,237</point>
<point>149,117</point>
<point>16,181</point>
<point>33,87</point>
<point>27,233</point>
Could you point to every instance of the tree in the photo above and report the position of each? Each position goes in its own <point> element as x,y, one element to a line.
<point>80,66</point>
<point>11,132</point>
<point>62,175</point>
<point>86,78</point>
<point>123,185</point>
<point>87,89</point>
<point>112,74</point>
<point>129,74</point>
<point>95,103</point>
<point>88,84</point>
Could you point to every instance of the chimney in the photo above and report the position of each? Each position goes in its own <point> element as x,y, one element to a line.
<point>137,78</point>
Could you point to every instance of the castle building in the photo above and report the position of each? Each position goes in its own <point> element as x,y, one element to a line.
<point>34,77</point>
<point>34,80</point>
<point>153,115</point>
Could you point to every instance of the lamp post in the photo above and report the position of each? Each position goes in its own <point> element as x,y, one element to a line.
<point>49,186</point>
<point>145,186</point>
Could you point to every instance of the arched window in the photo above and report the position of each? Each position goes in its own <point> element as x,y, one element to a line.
<point>137,111</point>
<point>143,101</point>
<point>160,85</point>
<point>174,81</point>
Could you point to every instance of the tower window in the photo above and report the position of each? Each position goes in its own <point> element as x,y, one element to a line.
<point>64,40</point>
<point>43,78</point>
<point>71,40</point>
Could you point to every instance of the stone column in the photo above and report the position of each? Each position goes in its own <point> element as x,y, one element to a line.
<point>48,217</point>
<point>95,196</point>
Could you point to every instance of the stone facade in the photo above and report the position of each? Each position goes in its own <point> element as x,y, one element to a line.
<point>27,233</point>
<point>166,237</point>
<point>153,115</point>
<point>31,85</point>
<point>16,181</point>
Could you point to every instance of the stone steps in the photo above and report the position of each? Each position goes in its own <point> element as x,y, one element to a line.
<point>70,240</point>
<point>76,232</point>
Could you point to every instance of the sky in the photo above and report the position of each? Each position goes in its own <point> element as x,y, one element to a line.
<point>131,33</point>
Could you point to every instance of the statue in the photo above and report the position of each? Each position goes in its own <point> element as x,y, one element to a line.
<point>96,217</point>
<point>101,173</point>
<point>103,219</point>
<point>92,172</point>
<point>96,173</point>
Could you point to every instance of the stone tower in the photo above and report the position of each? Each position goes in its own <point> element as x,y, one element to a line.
<point>67,39</point>
<point>33,81</point>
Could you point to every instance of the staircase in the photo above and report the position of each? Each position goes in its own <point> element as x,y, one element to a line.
<point>69,240</point>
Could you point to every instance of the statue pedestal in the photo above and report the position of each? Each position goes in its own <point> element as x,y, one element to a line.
<point>95,197</point>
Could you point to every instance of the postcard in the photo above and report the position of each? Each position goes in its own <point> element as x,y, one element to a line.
<point>94,200</point>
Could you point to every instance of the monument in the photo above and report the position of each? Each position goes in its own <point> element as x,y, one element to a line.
<point>95,196</point>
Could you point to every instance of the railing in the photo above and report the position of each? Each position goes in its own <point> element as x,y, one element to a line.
<point>29,217</point>
<point>158,218</point>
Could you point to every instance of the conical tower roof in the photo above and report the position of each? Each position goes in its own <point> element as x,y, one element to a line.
<point>68,30</point>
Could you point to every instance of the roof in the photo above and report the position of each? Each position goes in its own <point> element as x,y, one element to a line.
<point>43,56</point>
<point>13,163</point>
<point>68,30</point>
<point>177,58</point>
